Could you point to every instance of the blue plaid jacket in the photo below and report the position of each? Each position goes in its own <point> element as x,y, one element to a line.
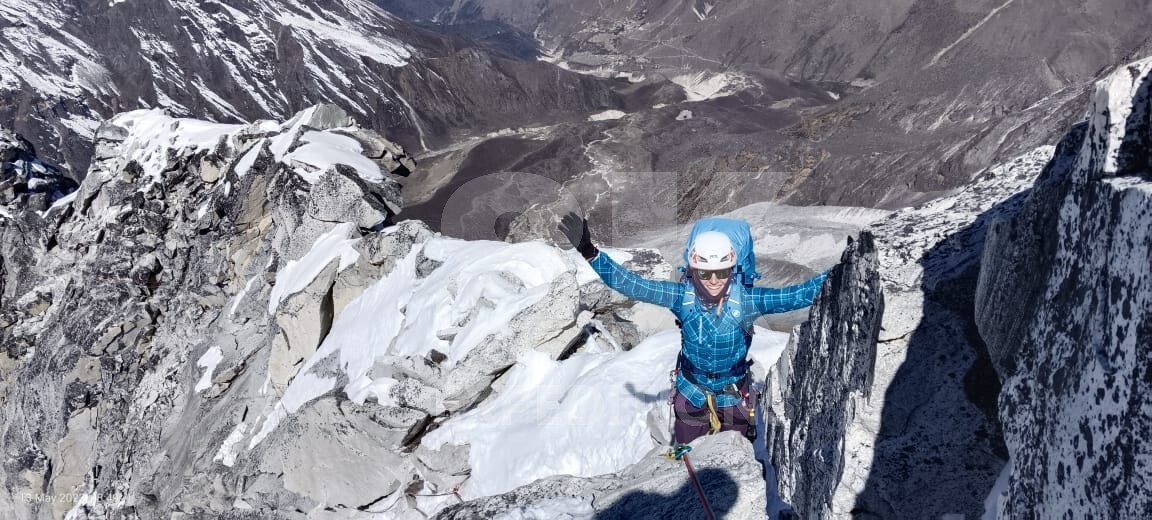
<point>713,342</point>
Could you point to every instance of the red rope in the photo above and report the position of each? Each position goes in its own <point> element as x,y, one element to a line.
<point>699,489</point>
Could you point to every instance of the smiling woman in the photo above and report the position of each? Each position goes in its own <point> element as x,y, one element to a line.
<point>712,388</point>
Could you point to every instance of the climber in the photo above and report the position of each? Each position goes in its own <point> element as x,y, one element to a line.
<point>711,384</point>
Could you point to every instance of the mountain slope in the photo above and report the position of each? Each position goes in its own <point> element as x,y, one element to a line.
<point>66,64</point>
<point>930,92</point>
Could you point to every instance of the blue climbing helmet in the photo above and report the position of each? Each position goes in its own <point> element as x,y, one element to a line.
<point>740,234</point>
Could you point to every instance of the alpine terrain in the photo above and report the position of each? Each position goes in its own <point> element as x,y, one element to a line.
<point>309,259</point>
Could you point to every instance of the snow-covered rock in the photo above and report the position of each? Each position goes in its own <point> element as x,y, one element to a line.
<point>210,329</point>
<point>25,180</point>
<point>1065,305</point>
<point>655,487</point>
<point>142,313</point>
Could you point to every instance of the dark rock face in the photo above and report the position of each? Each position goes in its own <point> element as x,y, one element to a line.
<point>1014,341</point>
<point>1065,303</point>
<point>825,368</point>
<point>26,181</point>
<point>897,419</point>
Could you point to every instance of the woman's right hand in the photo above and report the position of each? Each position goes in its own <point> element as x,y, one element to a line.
<point>575,229</point>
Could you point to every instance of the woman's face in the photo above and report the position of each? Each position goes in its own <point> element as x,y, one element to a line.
<point>712,281</point>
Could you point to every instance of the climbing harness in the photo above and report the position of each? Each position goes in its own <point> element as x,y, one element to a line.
<point>740,390</point>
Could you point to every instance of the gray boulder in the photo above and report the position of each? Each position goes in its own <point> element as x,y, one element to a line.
<point>342,196</point>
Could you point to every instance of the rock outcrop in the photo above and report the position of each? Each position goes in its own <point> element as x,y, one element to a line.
<point>887,387</point>
<point>1065,305</point>
<point>25,180</point>
<point>134,309</point>
<point>823,376</point>
<point>224,321</point>
<point>1008,374</point>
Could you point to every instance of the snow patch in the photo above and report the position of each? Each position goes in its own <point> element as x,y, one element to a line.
<point>298,274</point>
<point>302,389</point>
<point>243,292</point>
<point>208,362</point>
<point>704,85</point>
<point>968,33</point>
<point>229,449</point>
<point>60,202</point>
<point>585,416</point>
<point>607,115</point>
<point>998,494</point>
<point>379,389</point>
<point>83,126</point>
<point>381,50</point>
<point>245,163</point>
<point>632,77</point>
<point>152,134</point>
<point>324,150</point>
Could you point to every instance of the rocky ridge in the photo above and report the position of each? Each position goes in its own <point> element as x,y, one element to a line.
<point>284,233</point>
<point>1008,357</point>
<point>729,473</point>
<point>1069,274</point>
<point>111,296</point>
<point>186,333</point>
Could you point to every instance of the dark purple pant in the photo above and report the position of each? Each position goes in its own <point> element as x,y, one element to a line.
<point>692,422</point>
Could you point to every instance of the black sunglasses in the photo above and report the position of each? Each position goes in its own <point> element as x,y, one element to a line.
<point>722,274</point>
